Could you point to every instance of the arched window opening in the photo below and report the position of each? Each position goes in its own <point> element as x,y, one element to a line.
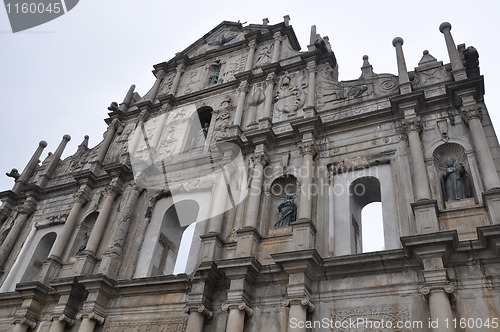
<point>373,227</point>
<point>173,243</point>
<point>363,192</point>
<point>39,256</point>
<point>198,132</point>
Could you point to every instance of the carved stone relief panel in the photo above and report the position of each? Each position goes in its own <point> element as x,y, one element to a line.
<point>163,325</point>
<point>232,66</point>
<point>255,107</point>
<point>263,54</point>
<point>371,318</point>
<point>191,80</point>
<point>290,96</point>
<point>166,84</point>
<point>286,49</point>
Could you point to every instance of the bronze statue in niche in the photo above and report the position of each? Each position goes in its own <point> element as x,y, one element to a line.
<point>455,182</point>
<point>287,212</point>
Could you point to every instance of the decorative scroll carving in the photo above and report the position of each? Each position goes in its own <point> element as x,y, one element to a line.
<point>163,325</point>
<point>240,306</point>
<point>302,301</point>
<point>201,309</point>
<point>393,314</point>
<point>427,289</point>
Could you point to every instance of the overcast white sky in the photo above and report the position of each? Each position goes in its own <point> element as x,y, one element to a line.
<point>60,77</point>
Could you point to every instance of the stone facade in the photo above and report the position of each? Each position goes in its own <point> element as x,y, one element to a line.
<point>171,222</point>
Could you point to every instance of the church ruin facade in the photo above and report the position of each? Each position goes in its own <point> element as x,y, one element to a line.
<point>229,198</point>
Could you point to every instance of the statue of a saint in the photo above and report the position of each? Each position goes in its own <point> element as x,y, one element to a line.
<point>454,182</point>
<point>287,212</point>
<point>200,139</point>
<point>84,243</point>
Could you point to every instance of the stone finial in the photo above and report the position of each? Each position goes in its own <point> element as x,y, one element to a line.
<point>286,20</point>
<point>404,80</point>
<point>265,21</point>
<point>457,66</point>
<point>85,141</point>
<point>366,69</point>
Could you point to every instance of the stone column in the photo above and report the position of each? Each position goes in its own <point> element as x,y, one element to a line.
<point>196,318</point>
<point>23,213</point>
<point>251,53</point>
<point>298,312</point>
<point>110,133</point>
<point>112,255</point>
<point>472,115</point>
<point>404,80</point>
<point>420,178</point>
<point>30,167</point>
<point>308,150</point>
<point>277,47</point>
<point>259,160</point>
<point>457,67</point>
<point>175,83</point>
<point>268,102</point>
<point>110,193</point>
<point>218,205</point>
<point>311,90</point>
<point>440,307</point>
<point>69,226</point>
<point>238,115</point>
<point>236,317</point>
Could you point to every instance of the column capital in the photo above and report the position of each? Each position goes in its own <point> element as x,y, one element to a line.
<point>309,147</point>
<point>311,66</point>
<point>112,191</point>
<point>199,308</point>
<point>160,74</point>
<point>63,318</point>
<point>92,316</point>
<point>304,301</point>
<point>471,112</point>
<point>252,43</point>
<point>271,78</point>
<point>143,116</point>
<point>28,207</point>
<point>81,197</point>
<point>427,289</point>
<point>24,321</point>
<point>259,158</point>
<point>243,87</point>
<point>115,123</point>
<point>412,124</point>
<point>240,306</point>
<point>181,68</point>
<point>277,36</point>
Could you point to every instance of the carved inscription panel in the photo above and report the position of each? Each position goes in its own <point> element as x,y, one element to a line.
<point>163,325</point>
